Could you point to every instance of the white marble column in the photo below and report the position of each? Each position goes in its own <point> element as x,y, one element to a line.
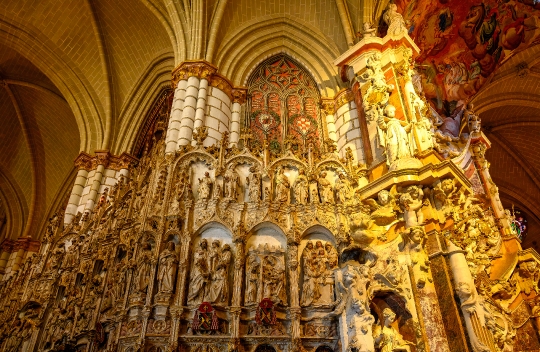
<point>188,113</point>
<point>200,111</point>
<point>102,159</point>
<point>239,98</point>
<point>235,124</point>
<point>176,115</point>
<point>471,303</point>
<point>76,193</point>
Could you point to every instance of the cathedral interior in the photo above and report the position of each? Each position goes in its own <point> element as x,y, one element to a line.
<point>269,176</point>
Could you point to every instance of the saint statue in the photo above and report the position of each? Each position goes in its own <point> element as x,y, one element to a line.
<point>252,273</point>
<point>232,180</point>
<point>205,185</point>
<point>325,189</point>
<point>301,188</point>
<point>393,136</point>
<point>168,260</point>
<point>144,269</point>
<point>283,187</point>
<point>343,189</point>
<point>199,274</point>
<point>254,185</point>
<point>394,20</point>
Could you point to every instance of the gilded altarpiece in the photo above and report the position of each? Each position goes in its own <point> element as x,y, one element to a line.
<point>280,244</point>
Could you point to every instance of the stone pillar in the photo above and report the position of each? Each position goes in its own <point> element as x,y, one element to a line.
<point>239,98</point>
<point>176,115</point>
<point>100,163</point>
<point>188,112</point>
<point>471,303</point>
<point>83,164</point>
<point>424,291</point>
<point>295,312</point>
<point>201,105</point>
<point>479,145</point>
<point>196,74</point>
<point>328,107</point>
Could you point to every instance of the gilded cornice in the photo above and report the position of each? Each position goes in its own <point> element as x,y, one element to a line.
<point>239,95</point>
<point>198,68</point>
<point>328,106</point>
<point>102,157</point>
<point>343,97</point>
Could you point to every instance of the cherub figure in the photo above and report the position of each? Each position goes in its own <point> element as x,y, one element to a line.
<point>412,201</point>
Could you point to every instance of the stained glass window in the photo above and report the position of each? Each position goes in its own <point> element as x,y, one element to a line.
<point>283,103</point>
<point>519,223</point>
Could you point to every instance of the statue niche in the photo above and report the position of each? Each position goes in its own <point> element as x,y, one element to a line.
<point>318,264</point>
<point>209,280</point>
<point>265,275</point>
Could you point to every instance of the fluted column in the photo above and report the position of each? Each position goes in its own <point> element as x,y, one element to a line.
<point>176,115</point>
<point>328,107</point>
<point>102,160</point>
<point>83,164</point>
<point>479,145</point>
<point>473,312</point>
<point>239,98</point>
<point>188,113</point>
<point>196,74</point>
<point>200,111</point>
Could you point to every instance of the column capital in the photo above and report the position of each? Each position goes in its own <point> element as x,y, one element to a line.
<point>239,95</point>
<point>83,161</point>
<point>192,68</point>
<point>102,158</point>
<point>328,106</point>
<point>343,97</point>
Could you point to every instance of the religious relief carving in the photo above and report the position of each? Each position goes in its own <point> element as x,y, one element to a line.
<point>265,275</point>
<point>412,201</point>
<point>318,264</point>
<point>209,280</point>
<point>353,310</point>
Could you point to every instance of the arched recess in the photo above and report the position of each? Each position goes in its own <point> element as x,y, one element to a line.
<point>266,276</point>
<point>50,60</point>
<point>247,46</point>
<point>318,258</point>
<point>213,256</point>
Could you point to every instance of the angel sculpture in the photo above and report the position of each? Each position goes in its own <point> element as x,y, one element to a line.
<point>376,222</point>
<point>412,201</point>
<point>383,209</point>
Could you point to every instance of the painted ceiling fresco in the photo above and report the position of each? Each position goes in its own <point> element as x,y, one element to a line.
<point>463,42</point>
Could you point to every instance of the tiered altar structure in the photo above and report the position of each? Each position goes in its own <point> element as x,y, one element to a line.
<point>264,218</point>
